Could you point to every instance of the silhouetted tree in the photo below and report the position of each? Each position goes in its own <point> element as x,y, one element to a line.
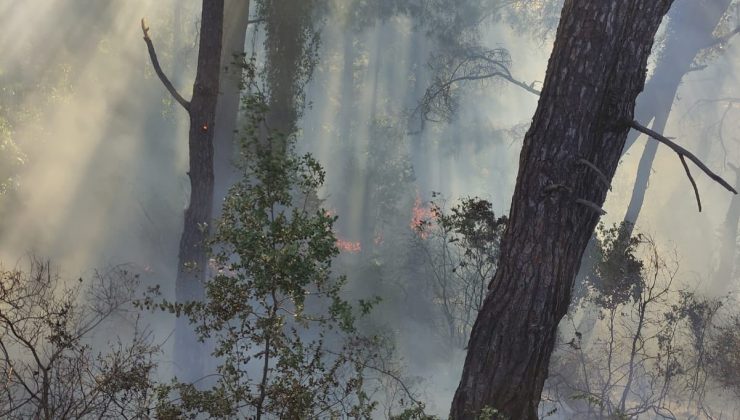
<point>236,21</point>
<point>192,258</point>
<point>49,366</point>
<point>570,153</point>
<point>690,36</point>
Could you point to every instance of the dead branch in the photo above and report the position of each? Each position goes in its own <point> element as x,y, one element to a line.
<point>683,153</point>
<point>590,204</point>
<point>691,178</point>
<point>158,69</point>
<point>599,174</point>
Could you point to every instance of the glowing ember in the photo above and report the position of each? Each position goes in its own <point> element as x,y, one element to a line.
<point>348,246</point>
<point>378,240</point>
<point>420,217</point>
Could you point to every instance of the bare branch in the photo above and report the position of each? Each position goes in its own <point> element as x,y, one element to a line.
<point>593,206</point>
<point>467,64</point>
<point>683,153</point>
<point>691,178</point>
<point>528,87</point>
<point>158,69</point>
<point>600,174</point>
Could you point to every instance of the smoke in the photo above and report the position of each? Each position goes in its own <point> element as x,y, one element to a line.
<point>105,175</point>
<point>105,179</point>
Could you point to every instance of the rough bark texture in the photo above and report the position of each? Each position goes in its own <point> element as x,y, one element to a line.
<point>596,70</point>
<point>236,18</point>
<point>192,260</point>
<point>690,30</point>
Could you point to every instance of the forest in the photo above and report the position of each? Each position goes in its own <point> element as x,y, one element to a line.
<point>370,209</point>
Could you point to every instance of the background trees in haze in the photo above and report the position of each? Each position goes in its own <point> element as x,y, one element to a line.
<point>192,257</point>
<point>349,100</point>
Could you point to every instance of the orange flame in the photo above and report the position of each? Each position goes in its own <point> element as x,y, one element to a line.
<point>420,216</point>
<point>348,246</point>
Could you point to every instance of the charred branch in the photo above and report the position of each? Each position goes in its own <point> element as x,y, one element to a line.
<point>158,69</point>
<point>602,177</point>
<point>590,204</point>
<point>683,154</point>
<point>471,64</point>
<point>691,178</point>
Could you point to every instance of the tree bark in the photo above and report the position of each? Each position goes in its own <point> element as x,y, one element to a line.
<point>192,259</point>
<point>596,70</point>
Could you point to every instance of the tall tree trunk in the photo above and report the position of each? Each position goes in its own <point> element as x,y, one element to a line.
<point>596,70</point>
<point>689,32</point>
<point>192,259</point>
<point>289,42</point>
<point>236,20</point>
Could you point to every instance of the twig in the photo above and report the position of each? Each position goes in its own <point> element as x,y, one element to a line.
<point>691,178</point>
<point>593,206</point>
<point>600,174</point>
<point>158,69</point>
<point>682,153</point>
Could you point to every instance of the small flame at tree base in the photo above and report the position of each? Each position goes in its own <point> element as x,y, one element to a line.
<point>348,246</point>
<point>421,216</point>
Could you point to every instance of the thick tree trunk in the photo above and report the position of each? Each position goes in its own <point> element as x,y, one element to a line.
<point>192,264</point>
<point>289,30</point>
<point>690,30</point>
<point>596,70</point>
<point>236,18</point>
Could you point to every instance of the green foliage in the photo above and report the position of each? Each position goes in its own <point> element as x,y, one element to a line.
<point>461,248</point>
<point>617,276</point>
<point>723,357</point>
<point>284,337</point>
<point>490,413</point>
<point>414,413</point>
<point>292,41</point>
<point>475,225</point>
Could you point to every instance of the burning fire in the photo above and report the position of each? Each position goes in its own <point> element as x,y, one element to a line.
<point>421,215</point>
<point>348,246</point>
